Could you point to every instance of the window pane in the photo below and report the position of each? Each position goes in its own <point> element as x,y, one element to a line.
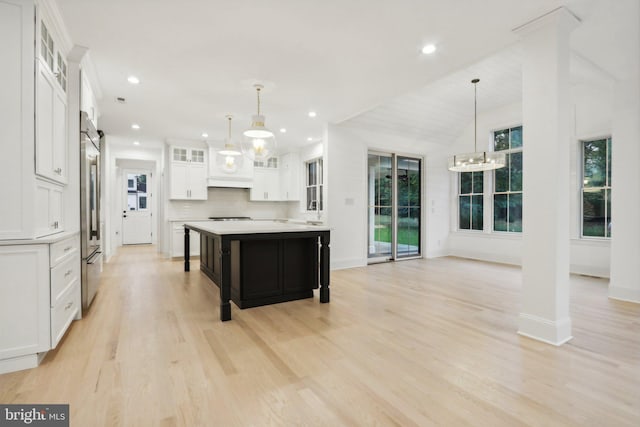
<point>403,187</point>
<point>515,167</point>
<point>311,174</point>
<point>465,182</point>
<point>382,230</point>
<point>502,178</point>
<point>464,210</point>
<point>501,140</point>
<point>515,212</point>
<point>320,194</point>
<point>478,178</point>
<point>593,213</point>
<point>595,158</point>
<point>311,195</point>
<point>608,195</point>
<point>476,213</point>
<point>516,137</point>
<point>414,185</point>
<point>500,212</point>
<point>608,161</point>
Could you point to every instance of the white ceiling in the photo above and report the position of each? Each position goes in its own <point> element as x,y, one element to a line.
<point>197,60</point>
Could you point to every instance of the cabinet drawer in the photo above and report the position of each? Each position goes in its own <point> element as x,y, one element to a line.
<point>63,313</point>
<point>64,249</point>
<point>63,277</point>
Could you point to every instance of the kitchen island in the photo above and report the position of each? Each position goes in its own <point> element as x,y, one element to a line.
<point>258,262</point>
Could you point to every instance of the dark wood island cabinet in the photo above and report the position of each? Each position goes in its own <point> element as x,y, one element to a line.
<point>262,262</point>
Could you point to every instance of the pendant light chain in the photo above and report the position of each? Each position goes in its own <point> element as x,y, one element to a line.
<point>229,118</point>
<point>475,115</point>
<point>258,90</point>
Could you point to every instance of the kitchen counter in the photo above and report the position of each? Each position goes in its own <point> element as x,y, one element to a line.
<point>261,262</point>
<point>45,240</point>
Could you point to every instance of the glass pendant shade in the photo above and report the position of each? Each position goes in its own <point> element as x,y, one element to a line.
<point>228,156</point>
<point>478,160</point>
<point>258,142</point>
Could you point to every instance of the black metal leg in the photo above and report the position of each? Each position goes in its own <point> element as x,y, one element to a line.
<point>225,279</point>
<point>187,267</point>
<point>324,267</point>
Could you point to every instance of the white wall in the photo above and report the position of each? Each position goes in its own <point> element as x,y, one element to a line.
<point>120,154</point>
<point>346,170</point>
<point>592,106</point>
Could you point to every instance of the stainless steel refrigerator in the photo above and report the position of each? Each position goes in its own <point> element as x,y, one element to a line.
<point>90,232</point>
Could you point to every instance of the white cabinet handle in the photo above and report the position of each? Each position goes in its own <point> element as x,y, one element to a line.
<point>68,306</point>
<point>68,273</point>
<point>68,248</point>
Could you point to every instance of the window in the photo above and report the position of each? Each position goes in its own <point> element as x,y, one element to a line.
<point>470,200</point>
<point>61,74</point>
<point>596,188</point>
<point>507,196</point>
<point>314,185</point>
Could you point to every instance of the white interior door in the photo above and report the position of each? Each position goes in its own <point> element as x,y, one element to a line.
<point>136,211</point>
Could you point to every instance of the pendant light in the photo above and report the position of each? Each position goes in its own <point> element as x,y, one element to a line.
<point>229,157</point>
<point>259,143</point>
<point>478,160</point>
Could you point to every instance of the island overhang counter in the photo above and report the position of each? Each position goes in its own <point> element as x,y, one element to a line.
<point>259,262</point>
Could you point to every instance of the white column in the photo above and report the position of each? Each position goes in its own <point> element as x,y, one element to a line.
<point>546,134</point>
<point>625,172</point>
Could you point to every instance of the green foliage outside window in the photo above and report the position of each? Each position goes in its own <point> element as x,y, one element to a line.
<point>596,188</point>
<point>507,197</point>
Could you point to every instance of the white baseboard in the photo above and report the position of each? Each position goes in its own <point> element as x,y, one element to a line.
<point>554,332</point>
<point>348,263</point>
<point>20,363</point>
<point>589,270</point>
<point>624,294</point>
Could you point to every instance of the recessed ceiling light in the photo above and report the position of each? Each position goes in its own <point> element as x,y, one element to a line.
<point>135,126</point>
<point>283,130</point>
<point>312,114</point>
<point>136,142</point>
<point>205,135</point>
<point>429,49</point>
<point>309,139</point>
<point>133,80</point>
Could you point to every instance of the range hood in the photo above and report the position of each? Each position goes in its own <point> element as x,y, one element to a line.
<point>241,178</point>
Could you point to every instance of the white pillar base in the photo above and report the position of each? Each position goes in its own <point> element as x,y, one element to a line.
<point>551,332</point>
<point>624,294</point>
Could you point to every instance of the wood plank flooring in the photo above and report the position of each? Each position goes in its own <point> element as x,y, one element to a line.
<point>414,343</point>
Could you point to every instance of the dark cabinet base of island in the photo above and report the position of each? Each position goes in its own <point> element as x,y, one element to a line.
<point>265,268</point>
<point>265,271</point>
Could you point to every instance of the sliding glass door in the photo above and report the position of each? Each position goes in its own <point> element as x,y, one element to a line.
<point>408,207</point>
<point>394,206</point>
<point>380,206</point>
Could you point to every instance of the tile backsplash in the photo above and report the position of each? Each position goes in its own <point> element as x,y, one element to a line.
<point>227,202</point>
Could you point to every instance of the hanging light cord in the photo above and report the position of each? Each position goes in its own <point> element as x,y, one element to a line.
<point>475,114</point>
<point>258,90</point>
<point>229,118</point>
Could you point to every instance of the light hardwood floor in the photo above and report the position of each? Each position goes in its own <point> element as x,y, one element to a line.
<point>424,342</point>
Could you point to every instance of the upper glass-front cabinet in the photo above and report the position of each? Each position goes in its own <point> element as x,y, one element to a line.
<point>53,59</point>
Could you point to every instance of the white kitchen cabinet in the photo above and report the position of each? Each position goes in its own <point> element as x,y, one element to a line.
<point>266,185</point>
<point>51,127</point>
<point>49,208</point>
<point>177,240</point>
<point>65,294</point>
<point>290,177</point>
<point>188,174</point>
<point>17,105</point>
<point>39,298</point>
<point>24,305</point>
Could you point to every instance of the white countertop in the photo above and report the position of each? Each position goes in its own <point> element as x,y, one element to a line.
<point>252,227</point>
<point>53,238</point>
